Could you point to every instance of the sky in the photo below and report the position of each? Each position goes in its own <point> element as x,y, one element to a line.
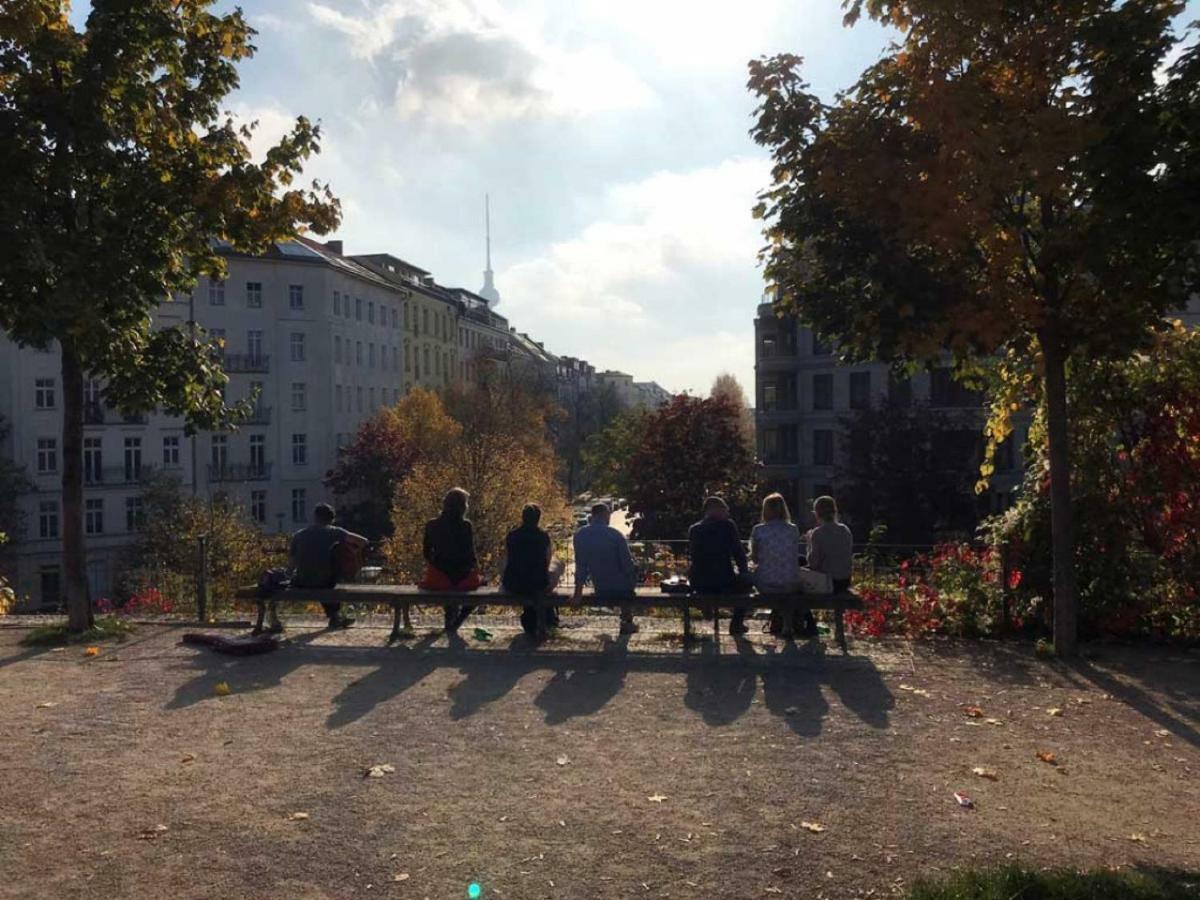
<point>611,135</point>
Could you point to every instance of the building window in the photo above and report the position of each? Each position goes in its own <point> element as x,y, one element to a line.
<point>170,450</point>
<point>860,390</point>
<point>48,519</point>
<point>770,398</point>
<point>337,303</point>
<point>297,346</point>
<point>358,308</point>
<point>372,399</point>
<point>258,506</point>
<point>337,395</point>
<point>299,396</point>
<point>358,353</point>
<point>358,395</point>
<point>823,391</point>
<point>425,320</point>
<point>93,412</point>
<point>299,449</point>
<point>216,293</point>
<point>133,458</point>
<point>47,455</point>
<point>406,315</point>
<point>371,313</point>
<point>428,368</point>
<point>44,393</point>
<point>93,515</point>
<point>299,502</point>
<point>258,452</point>
<point>900,390</point>
<point>254,294</point>
<point>296,296</point>
<point>219,449</point>
<point>337,348</point>
<point>134,514</point>
<point>92,460</point>
<point>819,347</point>
<point>944,390</point>
<point>50,584</point>
<point>371,355</point>
<point>254,345</point>
<point>395,359</point>
<point>822,447</point>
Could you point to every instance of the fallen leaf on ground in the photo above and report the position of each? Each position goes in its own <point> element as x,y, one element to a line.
<point>1162,732</point>
<point>1048,758</point>
<point>994,721</point>
<point>920,692</point>
<point>563,760</point>
<point>48,704</point>
<point>1054,711</point>
<point>403,876</point>
<point>149,834</point>
<point>773,890</point>
<point>221,689</point>
<point>972,712</point>
<point>379,771</point>
<point>188,757</point>
<point>814,827</point>
<point>1138,837</point>
<point>298,816</point>
<point>989,774</point>
<point>92,651</point>
<point>657,798</point>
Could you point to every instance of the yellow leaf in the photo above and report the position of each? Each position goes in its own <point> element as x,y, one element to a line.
<point>814,827</point>
<point>92,651</point>
<point>222,689</point>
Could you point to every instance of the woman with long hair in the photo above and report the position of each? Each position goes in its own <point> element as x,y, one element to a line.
<point>449,551</point>
<point>775,552</point>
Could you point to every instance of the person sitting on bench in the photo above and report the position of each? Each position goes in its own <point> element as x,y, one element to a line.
<point>602,555</point>
<point>312,554</point>
<point>449,551</point>
<point>831,545</point>
<point>529,566</point>
<point>775,552</point>
<point>714,549</point>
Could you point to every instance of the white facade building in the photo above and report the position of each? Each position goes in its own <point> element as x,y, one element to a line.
<point>316,336</point>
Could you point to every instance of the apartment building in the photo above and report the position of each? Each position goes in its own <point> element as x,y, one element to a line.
<point>314,337</point>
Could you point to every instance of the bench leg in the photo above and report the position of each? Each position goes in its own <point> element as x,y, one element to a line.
<point>687,624</point>
<point>840,629</point>
<point>716,622</point>
<point>542,630</point>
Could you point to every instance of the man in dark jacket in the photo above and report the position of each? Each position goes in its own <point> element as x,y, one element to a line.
<point>717,558</point>
<point>528,566</point>
<point>312,558</point>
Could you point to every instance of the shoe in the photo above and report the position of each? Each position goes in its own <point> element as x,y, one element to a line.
<point>737,629</point>
<point>630,628</point>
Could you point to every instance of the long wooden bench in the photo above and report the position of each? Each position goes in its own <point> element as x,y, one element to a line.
<point>402,596</point>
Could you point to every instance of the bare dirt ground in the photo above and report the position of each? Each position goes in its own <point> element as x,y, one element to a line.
<point>588,768</point>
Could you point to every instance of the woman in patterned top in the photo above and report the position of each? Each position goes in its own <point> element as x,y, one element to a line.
<point>775,552</point>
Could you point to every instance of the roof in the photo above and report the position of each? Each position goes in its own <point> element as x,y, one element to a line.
<point>309,252</point>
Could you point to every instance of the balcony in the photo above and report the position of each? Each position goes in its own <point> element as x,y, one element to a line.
<point>239,472</point>
<point>117,476</point>
<point>134,419</point>
<point>259,415</point>
<point>246,362</point>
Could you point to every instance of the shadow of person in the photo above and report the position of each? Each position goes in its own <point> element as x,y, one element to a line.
<point>792,687</point>
<point>722,690</point>
<point>243,673</point>
<point>582,687</point>
<point>403,667</point>
<point>489,677</point>
<point>860,687</point>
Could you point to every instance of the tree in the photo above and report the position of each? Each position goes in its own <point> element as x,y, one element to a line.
<point>908,469</point>
<point>13,483</point>
<point>689,449</point>
<point>1009,180</point>
<point>574,427</point>
<point>121,176</point>
<point>607,454</point>
<point>727,386</point>
<point>500,454</point>
<point>166,555</point>
<point>383,453</point>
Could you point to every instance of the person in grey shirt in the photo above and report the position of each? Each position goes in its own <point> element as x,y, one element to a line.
<point>602,555</point>
<point>312,558</point>
<point>831,545</point>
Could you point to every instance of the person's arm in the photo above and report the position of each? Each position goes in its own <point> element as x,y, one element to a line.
<point>755,547</point>
<point>427,543</point>
<point>549,552</point>
<point>625,560</point>
<point>815,558</point>
<point>739,549</point>
<point>354,540</point>
<point>582,568</point>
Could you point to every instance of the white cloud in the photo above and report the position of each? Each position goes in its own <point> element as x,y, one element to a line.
<point>664,282</point>
<point>469,62</point>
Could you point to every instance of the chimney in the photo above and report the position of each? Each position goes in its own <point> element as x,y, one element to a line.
<point>335,246</point>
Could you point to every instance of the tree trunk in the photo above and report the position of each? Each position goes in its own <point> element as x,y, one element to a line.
<point>1066,601</point>
<point>79,607</point>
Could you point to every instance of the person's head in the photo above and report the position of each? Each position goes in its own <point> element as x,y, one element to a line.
<point>454,504</point>
<point>601,513</point>
<point>775,509</point>
<point>531,515</point>
<point>716,508</point>
<point>825,509</point>
<point>323,514</point>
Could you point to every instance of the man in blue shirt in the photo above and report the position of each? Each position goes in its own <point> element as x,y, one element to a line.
<point>602,555</point>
